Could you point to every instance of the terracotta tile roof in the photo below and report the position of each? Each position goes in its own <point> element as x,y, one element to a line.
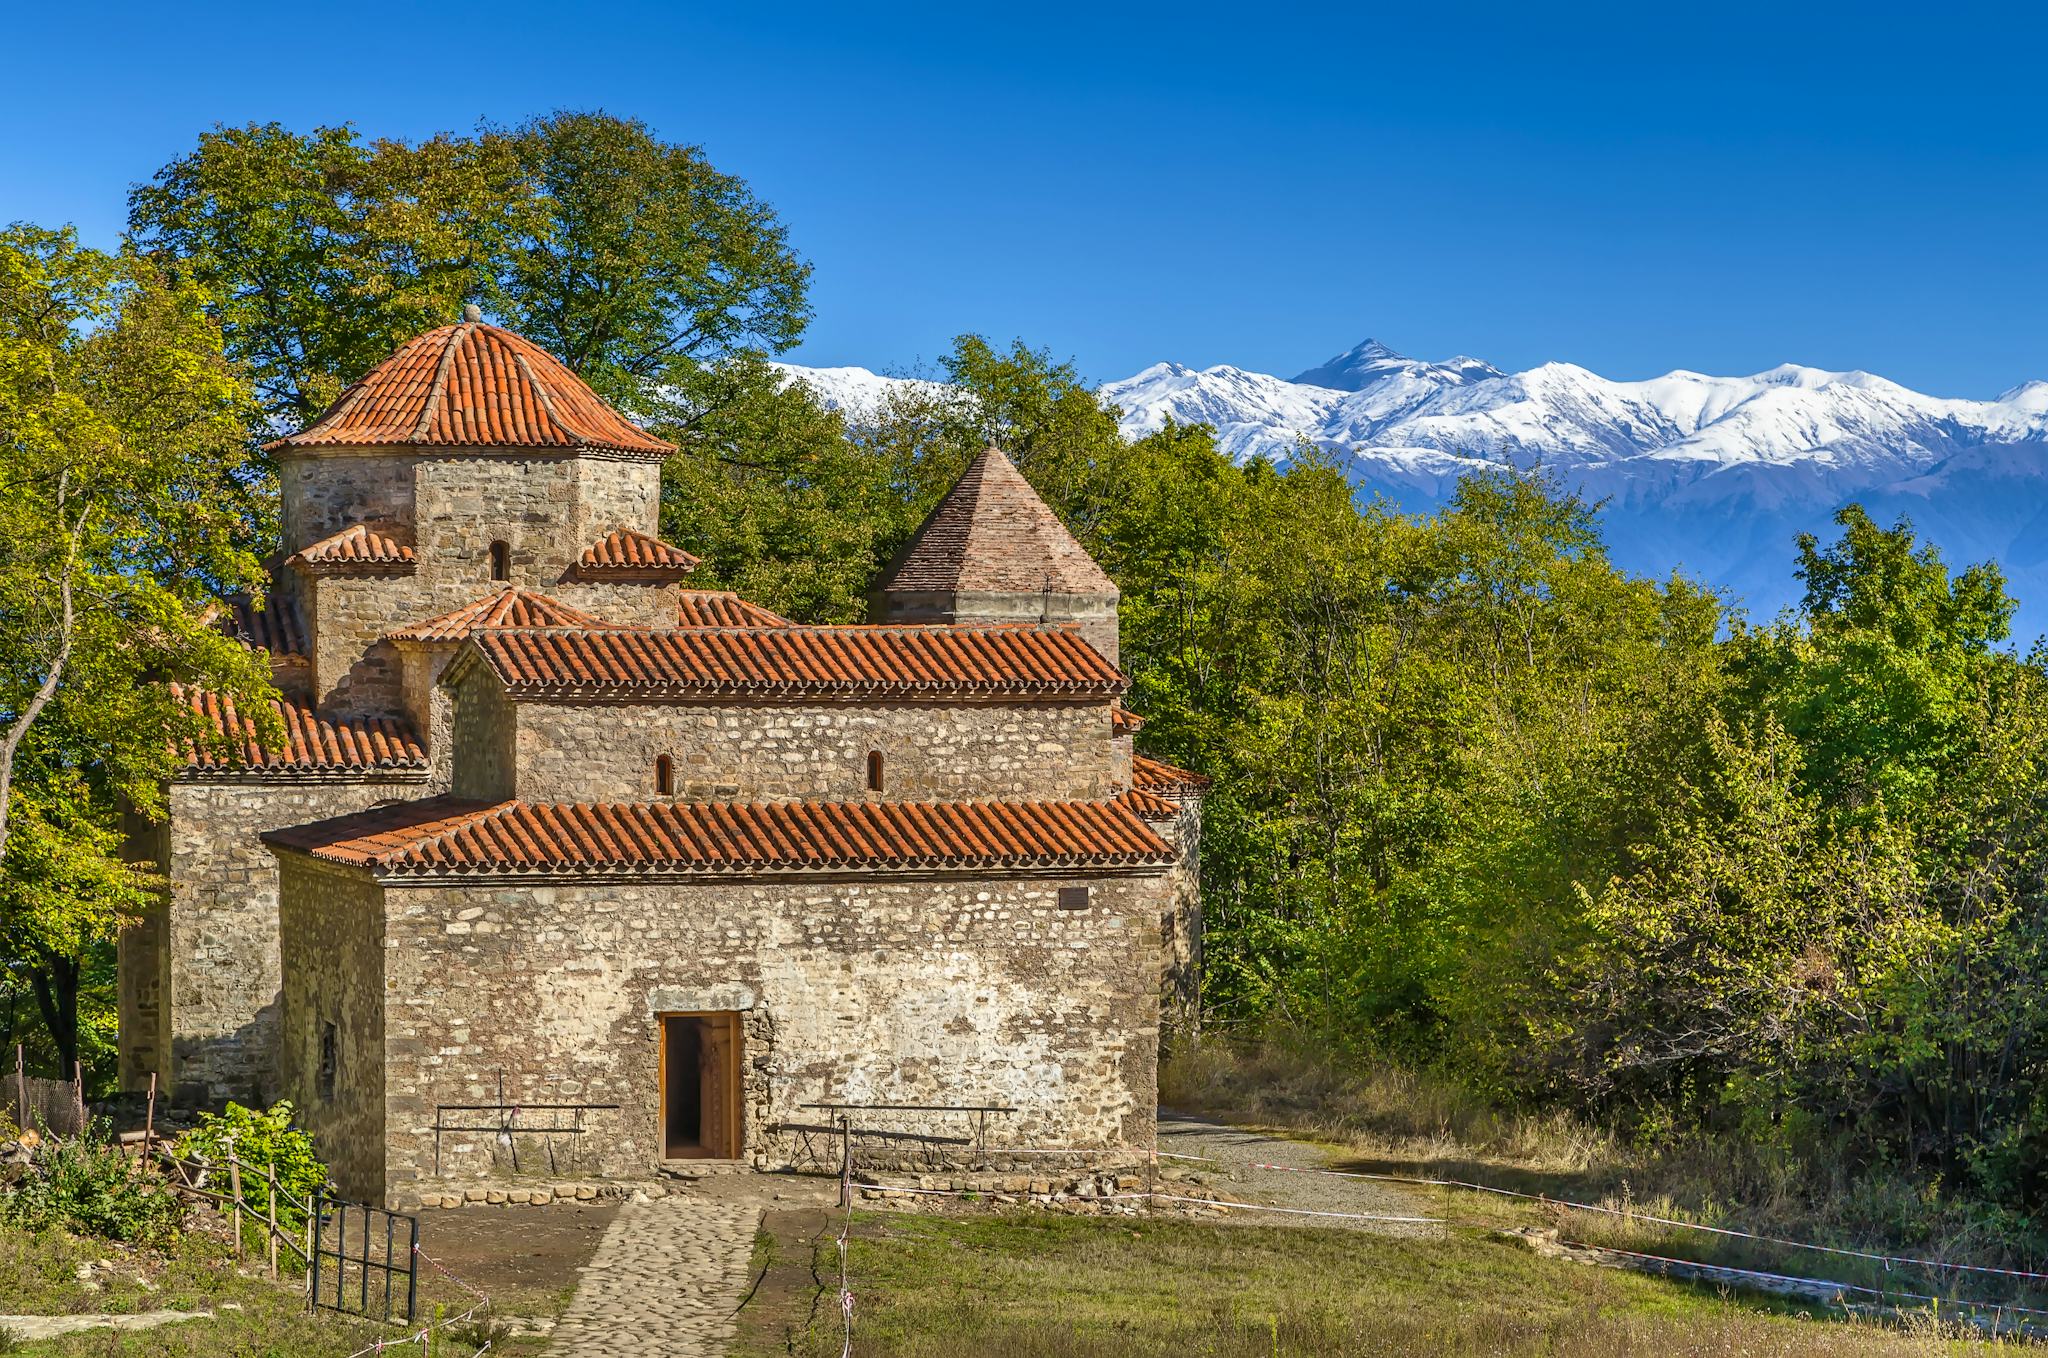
<point>445,835</point>
<point>627,553</point>
<point>1018,659</point>
<point>474,386</point>
<point>723,608</point>
<point>993,534</point>
<point>356,546</point>
<point>1124,722</point>
<point>1148,806</point>
<point>276,627</point>
<point>1150,775</point>
<point>509,607</point>
<point>312,743</point>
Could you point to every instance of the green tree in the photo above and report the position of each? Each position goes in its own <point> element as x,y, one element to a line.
<point>633,259</point>
<point>127,505</point>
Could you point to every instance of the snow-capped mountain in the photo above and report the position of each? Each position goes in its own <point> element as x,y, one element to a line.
<point>1714,476</point>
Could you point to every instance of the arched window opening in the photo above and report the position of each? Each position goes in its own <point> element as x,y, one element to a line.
<point>501,561</point>
<point>664,775</point>
<point>874,770</point>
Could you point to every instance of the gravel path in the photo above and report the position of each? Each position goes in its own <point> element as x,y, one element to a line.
<point>1231,1151</point>
<point>665,1283</point>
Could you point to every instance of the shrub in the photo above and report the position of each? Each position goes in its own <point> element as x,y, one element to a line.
<point>85,1184</point>
<point>261,1141</point>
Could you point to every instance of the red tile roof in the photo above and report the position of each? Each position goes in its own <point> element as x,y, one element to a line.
<point>723,608</point>
<point>1150,775</point>
<point>1124,722</point>
<point>276,627</point>
<point>1148,806</point>
<point>357,546</point>
<point>993,534</point>
<point>509,607</point>
<point>1017,659</point>
<point>312,743</point>
<point>474,386</point>
<point>446,835</point>
<point>635,555</point>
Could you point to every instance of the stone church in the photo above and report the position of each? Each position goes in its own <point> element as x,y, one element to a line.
<point>559,845</point>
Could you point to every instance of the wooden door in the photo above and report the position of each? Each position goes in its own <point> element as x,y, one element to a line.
<point>719,1074</point>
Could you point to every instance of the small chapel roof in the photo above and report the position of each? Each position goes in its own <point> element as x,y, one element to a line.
<point>448,835</point>
<point>635,664</point>
<point>275,626</point>
<point>723,608</point>
<point>312,743</point>
<point>510,606</point>
<point>993,534</point>
<point>473,385</point>
<point>624,554</point>
<point>1163,779</point>
<point>356,546</point>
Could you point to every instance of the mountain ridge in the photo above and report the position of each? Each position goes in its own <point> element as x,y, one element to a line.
<point>1714,476</point>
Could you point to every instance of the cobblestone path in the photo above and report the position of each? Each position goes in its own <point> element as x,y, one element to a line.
<point>665,1281</point>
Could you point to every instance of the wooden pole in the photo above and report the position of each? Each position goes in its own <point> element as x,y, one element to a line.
<point>20,1089</point>
<point>235,1188</point>
<point>271,1238</point>
<point>78,1092</point>
<point>149,1120</point>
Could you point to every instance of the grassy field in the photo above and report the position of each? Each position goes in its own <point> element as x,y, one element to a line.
<point>1038,1285</point>
<point>251,1316</point>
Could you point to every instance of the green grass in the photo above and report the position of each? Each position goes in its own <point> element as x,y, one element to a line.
<point>251,1316</point>
<point>1038,1285</point>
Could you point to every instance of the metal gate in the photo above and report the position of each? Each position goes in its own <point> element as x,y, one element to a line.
<point>347,1250</point>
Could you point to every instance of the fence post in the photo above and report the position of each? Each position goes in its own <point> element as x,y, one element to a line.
<point>20,1089</point>
<point>270,1237</point>
<point>412,1274</point>
<point>235,1188</point>
<point>845,1160</point>
<point>78,1092</point>
<point>149,1121</point>
<point>313,1224</point>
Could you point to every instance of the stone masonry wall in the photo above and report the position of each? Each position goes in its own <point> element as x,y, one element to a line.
<point>484,759</point>
<point>333,974</point>
<point>143,963</point>
<point>1094,614</point>
<point>1181,924</point>
<point>323,494</point>
<point>936,991</point>
<point>211,959</point>
<point>546,509</point>
<point>930,751</point>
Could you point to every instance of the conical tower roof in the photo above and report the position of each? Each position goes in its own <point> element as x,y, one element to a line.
<point>473,385</point>
<point>993,535</point>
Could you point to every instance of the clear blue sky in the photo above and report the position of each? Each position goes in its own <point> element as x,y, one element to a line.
<point>1633,188</point>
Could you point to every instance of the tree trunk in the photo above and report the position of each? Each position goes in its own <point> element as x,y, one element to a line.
<point>55,982</point>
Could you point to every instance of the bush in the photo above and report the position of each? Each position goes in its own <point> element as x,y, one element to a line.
<point>86,1185</point>
<point>261,1141</point>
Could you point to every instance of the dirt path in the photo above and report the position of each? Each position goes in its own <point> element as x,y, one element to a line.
<point>1224,1155</point>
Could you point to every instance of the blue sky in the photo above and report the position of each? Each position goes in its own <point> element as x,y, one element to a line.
<point>1633,188</point>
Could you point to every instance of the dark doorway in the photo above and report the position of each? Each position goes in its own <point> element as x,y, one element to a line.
<point>700,1086</point>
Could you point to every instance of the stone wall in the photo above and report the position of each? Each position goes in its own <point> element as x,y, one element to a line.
<point>333,974</point>
<point>321,494</point>
<point>143,963</point>
<point>356,671</point>
<point>1180,932</point>
<point>1044,751</point>
<point>546,509</point>
<point>903,991</point>
<point>485,731</point>
<point>1094,614</point>
<point>206,961</point>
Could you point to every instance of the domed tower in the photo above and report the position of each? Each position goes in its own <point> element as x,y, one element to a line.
<point>992,551</point>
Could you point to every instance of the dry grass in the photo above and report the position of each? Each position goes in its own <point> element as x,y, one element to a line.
<point>1384,1118</point>
<point>1034,1285</point>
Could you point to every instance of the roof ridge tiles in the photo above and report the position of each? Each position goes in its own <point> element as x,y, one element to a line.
<point>448,835</point>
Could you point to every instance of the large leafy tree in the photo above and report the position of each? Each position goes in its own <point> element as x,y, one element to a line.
<point>634,259</point>
<point>127,505</point>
